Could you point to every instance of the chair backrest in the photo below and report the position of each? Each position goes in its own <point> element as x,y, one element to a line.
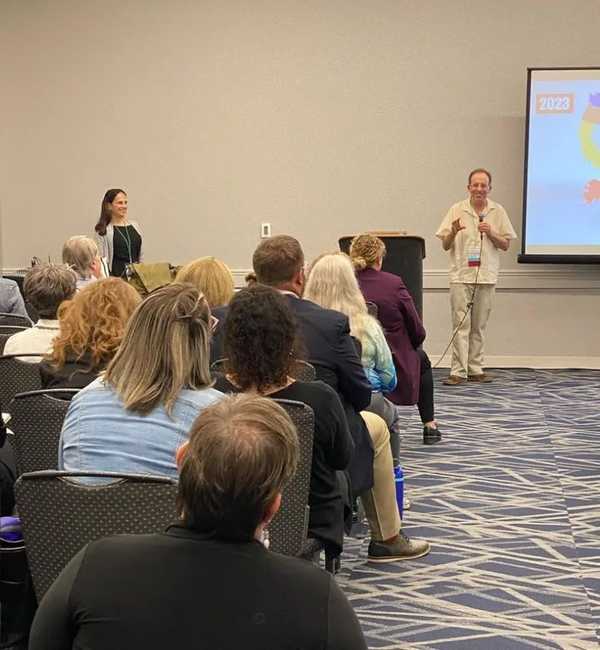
<point>32,312</point>
<point>36,422</point>
<point>15,319</point>
<point>301,370</point>
<point>288,530</point>
<point>372,308</point>
<point>17,376</point>
<point>61,515</point>
<point>6,331</point>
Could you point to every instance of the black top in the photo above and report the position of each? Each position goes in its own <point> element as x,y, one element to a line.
<point>181,589</point>
<point>332,450</point>
<point>75,373</point>
<point>127,244</point>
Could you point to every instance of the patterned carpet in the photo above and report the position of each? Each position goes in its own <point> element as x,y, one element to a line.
<point>510,501</point>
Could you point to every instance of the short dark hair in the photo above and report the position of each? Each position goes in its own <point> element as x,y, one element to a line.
<point>242,452</point>
<point>277,259</point>
<point>260,333</point>
<point>46,286</point>
<point>481,170</point>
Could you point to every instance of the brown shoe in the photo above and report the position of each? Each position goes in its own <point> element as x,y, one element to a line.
<point>482,378</point>
<point>454,380</point>
<point>400,549</point>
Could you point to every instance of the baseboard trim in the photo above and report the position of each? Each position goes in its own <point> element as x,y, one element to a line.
<point>541,362</point>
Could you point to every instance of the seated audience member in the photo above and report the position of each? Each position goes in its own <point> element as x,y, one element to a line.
<point>81,254</point>
<point>212,277</point>
<point>133,417</point>
<point>45,286</point>
<point>332,284</point>
<point>403,329</point>
<point>92,325</point>
<point>11,300</point>
<point>260,333</point>
<point>325,335</point>
<point>207,581</point>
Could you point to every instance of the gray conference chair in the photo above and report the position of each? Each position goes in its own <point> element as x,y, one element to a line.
<point>301,370</point>
<point>372,308</point>
<point>15,319</point>
<point>17,377</point>
<point>296,493</point>
<point>36,423</point>
<point>60,515</point>
<point>288,530</point>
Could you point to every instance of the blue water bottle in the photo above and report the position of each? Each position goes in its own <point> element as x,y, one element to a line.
<point>399,481</point>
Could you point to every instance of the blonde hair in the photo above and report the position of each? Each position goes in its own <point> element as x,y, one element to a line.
<point>332,284</point>
<point>93,322</point>
<point>164,350</point>
<point>365,251</point>
<point>79,253</point>
<point>212,277</point>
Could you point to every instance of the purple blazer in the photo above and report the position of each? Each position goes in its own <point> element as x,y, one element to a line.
<point>403,329</point>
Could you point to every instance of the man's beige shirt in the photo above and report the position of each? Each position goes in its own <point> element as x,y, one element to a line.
<point>469,240</point>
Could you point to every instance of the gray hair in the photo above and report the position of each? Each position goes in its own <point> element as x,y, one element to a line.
<point>79,252</point>
<point>46,286</point>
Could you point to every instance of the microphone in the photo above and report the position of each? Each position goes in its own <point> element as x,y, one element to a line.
<point>481,218</point>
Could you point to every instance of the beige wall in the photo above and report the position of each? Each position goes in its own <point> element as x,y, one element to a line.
<point>320,117</point>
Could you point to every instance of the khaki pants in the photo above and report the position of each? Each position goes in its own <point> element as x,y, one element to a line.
<point>467,348</point>
<point>380,501</point>
<point>385,409</point>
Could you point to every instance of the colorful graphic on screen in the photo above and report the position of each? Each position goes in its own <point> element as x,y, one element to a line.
<point>563,163</point>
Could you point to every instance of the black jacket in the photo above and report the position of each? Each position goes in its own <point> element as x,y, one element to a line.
<point>75,373</point>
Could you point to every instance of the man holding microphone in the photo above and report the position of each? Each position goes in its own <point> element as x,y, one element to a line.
<point>473,231</point>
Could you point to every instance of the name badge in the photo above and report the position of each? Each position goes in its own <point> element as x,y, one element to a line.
<point>474,256</point>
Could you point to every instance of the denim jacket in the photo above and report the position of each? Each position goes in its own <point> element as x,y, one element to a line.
<point>99,434</point>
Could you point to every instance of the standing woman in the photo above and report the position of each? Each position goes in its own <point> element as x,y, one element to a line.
<point>119,240</point>
<point>403,329</point>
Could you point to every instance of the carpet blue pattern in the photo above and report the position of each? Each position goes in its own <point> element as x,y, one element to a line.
<point>510,501</point>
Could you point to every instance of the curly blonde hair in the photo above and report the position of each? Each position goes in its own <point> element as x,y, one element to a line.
<point>93,322</point>
<point>365,251</point>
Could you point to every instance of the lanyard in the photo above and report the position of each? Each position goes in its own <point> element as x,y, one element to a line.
<point>127,239</point>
